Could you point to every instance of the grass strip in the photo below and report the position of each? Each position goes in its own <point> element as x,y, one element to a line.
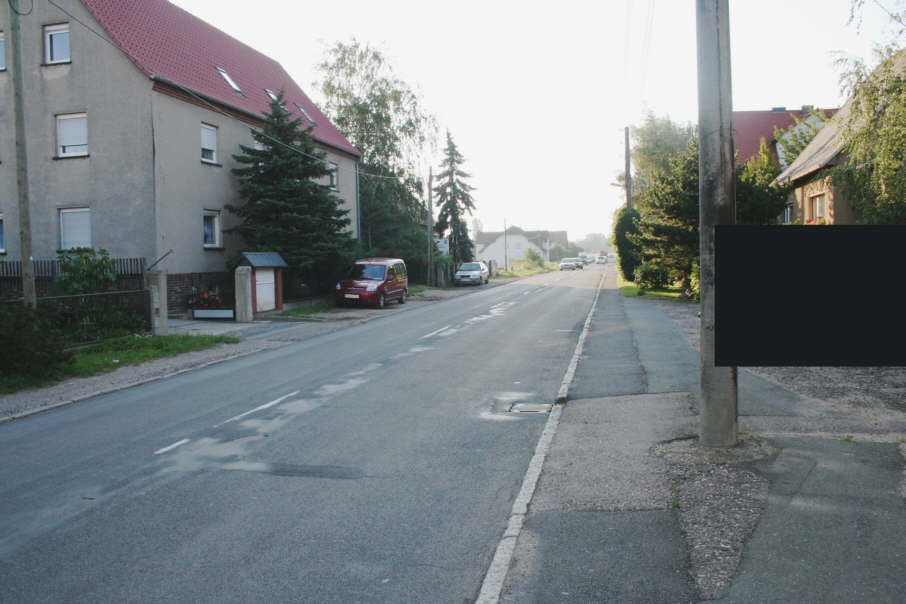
<point>523,268</point>
<point>305,311</point>
<point>631,290</point>
<point>111,354</point>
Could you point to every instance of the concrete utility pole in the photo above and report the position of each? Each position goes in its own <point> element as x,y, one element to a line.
<point>28,265</point>
<point>717,205</point>
<point>430,279</point>
<point>628,176</point>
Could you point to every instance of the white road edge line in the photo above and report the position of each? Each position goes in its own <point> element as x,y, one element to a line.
<point>264,406</point>
<point>435,332</point>
<point>492,586</point>
<point>171,447</point>
<point>571,370</point>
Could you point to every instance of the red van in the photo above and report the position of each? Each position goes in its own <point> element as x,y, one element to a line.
<point>374,281</point>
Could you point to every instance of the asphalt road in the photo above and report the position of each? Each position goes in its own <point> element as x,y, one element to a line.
<point>374,463</point>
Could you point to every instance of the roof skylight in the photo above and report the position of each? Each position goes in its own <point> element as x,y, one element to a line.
<point>303,112</point>
<point>229,80</point>
<point>271,94</point>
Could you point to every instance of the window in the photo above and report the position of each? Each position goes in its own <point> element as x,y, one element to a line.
<point>303,112</point>
<point>788,214</point>
<point>72,135</point>
<point>2,245</point>
<point>817,207</point>
<point>271,94</point>
<point>2,52</point>
<point>208,143</point>
<point>229,80</point>
<point>211,228</point>
<point>333,177</point>
<point>75,228</point>
<point>56,43</point>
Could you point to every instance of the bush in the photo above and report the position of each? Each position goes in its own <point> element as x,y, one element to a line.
<point>84,270</point>
<point>32,346</point>
<point>533,257</point>
<point>648,276</point>
<point>625,227</point>
<point>695,290</point>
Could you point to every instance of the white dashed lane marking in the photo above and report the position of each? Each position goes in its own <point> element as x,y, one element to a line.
<point>259,408</point>
<point>171,447</point>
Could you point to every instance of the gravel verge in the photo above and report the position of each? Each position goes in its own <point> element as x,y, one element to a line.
<point>721,500</point>
<point>71,390</point>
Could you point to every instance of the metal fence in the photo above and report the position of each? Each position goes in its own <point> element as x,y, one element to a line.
<point>129,275</point>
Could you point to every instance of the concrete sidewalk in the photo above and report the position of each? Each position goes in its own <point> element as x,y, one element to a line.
<point>628,509</point>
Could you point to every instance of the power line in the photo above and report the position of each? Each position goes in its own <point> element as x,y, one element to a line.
<point>192,93</point>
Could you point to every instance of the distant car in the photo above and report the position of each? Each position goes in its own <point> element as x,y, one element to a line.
<point>374,282</point>
<point>601,260</point>
<point>474,273</point>
<point>571,264</point>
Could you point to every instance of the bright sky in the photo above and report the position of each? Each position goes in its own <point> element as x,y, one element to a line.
<point>536,94</point>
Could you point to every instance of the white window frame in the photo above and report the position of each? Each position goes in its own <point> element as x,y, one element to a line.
<point>305,113</point>
<point>63,212</point>
<point>215,215</point>
<point>2,51</point>
<point>787,214</point>
<point>61,148</point>
<point>2,236</point>
<point>333,178</point>
<point>213,130</point>
<point>271,94</point>
<point>817,202</point>
<point>49,32</point>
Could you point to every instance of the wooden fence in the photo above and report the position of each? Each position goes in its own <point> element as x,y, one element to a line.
<point>130,275</point>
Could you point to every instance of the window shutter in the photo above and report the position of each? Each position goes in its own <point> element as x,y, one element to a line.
<point>208,138</point>
<point>72,134</point>
<point>75,229</point>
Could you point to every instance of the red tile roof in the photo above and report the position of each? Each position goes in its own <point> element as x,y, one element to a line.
<point>749,127</point>
<point>168,43</point>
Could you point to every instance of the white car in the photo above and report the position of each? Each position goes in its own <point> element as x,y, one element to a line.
<point>571,264</point>
<point>472,272</point>
<point>601,260</point>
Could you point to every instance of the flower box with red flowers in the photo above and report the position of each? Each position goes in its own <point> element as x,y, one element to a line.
<point>208,305</point>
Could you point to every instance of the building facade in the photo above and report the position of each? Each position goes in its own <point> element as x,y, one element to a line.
<point>133,109</point>
<point>505,248</point>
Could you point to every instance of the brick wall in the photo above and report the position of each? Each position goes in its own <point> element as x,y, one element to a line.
<point>179,288</point>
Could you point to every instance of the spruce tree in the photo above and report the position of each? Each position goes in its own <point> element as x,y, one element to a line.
<point>454,201</point>
<point>286,209</point>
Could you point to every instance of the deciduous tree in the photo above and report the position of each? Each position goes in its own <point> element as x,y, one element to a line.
<point>383,117</point>
<point>873,174</point>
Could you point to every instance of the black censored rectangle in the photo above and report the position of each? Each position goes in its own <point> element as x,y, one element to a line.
<point>810,295</point>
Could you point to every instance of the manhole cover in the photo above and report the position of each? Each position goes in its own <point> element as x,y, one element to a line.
<point>530,408</point>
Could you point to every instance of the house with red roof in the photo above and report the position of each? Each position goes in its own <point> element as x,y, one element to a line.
<point>133,109</point>
<point>749,127</point>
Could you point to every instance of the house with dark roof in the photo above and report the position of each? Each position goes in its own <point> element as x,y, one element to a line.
<point>133,109</point>
<point>504,248</point>
<point>815,199</point>
<point>749,127</point>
